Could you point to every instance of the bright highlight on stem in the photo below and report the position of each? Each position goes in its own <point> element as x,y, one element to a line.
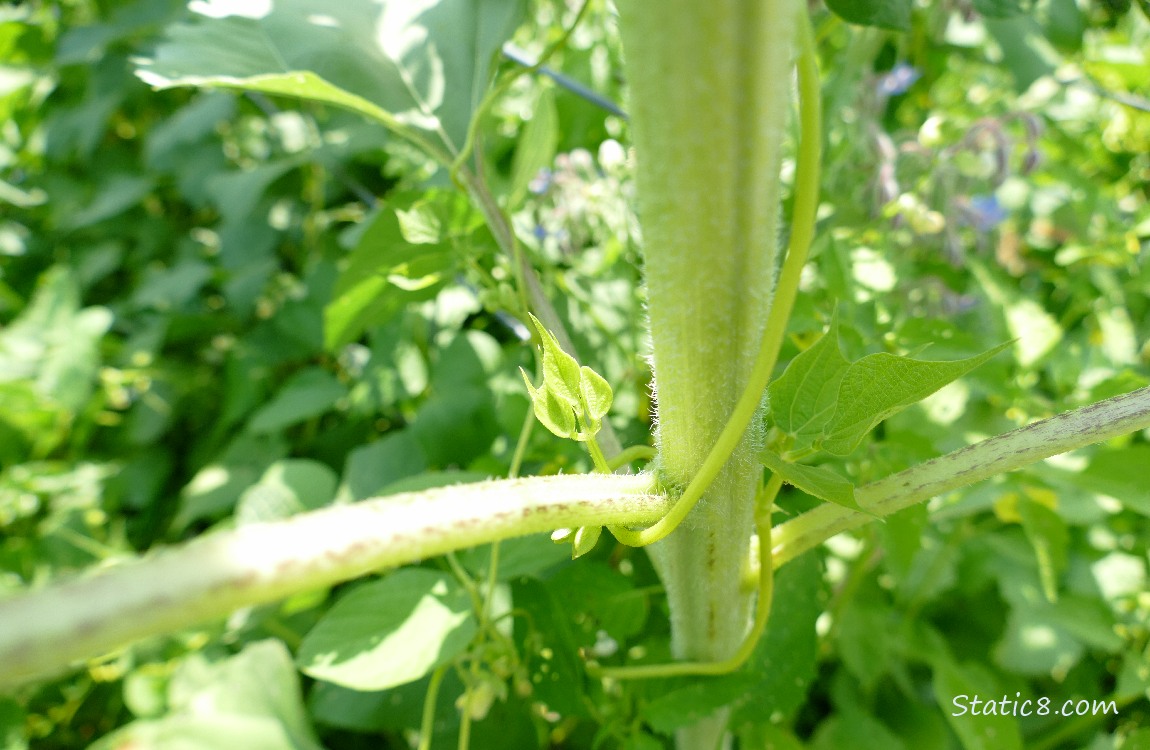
<point>44,631</point>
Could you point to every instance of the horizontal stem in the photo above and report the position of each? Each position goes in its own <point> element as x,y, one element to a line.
<point>42,632</point>
<point>997,455</point>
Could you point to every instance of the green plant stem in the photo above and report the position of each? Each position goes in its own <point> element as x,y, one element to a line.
<point>427,723</point>
<point>597,458</point>
<point>43,631</point>
<point>1012,450</point>
<point>631,453</point>
<point>803,220</point>
<point>764,506</point>
<point>710,91</point>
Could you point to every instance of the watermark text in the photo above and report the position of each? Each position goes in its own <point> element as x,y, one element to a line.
<point>967,705</point>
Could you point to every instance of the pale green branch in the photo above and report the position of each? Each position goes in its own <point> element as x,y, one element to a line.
<point>1012,450</point>
<point>44,631</point>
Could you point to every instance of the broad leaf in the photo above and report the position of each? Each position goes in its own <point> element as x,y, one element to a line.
<point>887,14</point>
<point>817,481</point>
<point>421,66</point>
<point>784,662</point>
<point>250,700</point>
<point>803,398</point>
<point>292,486</point>
<point>998,8</point>
<point>879,385</point>
<point>955,688</point>
<point>382,275</point>
<point>390,632</point>
<point>696,700</point>
<point>310,393</point>
<point>537,145</point>
<point>1050,538</point>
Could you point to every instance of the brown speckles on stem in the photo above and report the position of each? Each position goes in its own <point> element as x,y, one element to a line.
<point>43,631</point>
<point>1007,452</point>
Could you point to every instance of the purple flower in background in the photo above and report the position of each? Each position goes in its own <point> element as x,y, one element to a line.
<point>986,212</point>
<point>900,78</point>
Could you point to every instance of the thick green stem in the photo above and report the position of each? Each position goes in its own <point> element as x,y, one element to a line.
<point>44,631</point>
<point>1013,450</point>
<point>807,173</point>
<point>710,93</point>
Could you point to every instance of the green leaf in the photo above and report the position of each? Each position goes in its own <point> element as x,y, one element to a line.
<point>769,737</point>
<point>784,661</point>
<point>532,555</point>
<point>536,147</point>
<point>997,8</point>
<point>287,487</point>
<point>955,687</point>
<point>250,700</point>
<point>879,385</point>
<point>55,342</point>
<point>389,632</point>
<point>817,481</point>
<point>853,727</point>
<point>596,597</point>
<point>308,394</point>
<point>369,468</point>
<point>595,392</point>
<point>116,194</point>
<point>700,698</point>
<point>886,14</point>
<point>803,398</point>
<point>1028,56</point>
<point>1120,474</point>
<point>549,642</point>
<point>552,413</point>
<point>384,273</point>
<point>419,67</point>
<point>218,486</point>
<point>561,373</point>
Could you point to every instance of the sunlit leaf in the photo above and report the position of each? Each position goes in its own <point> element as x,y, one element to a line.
<point>418,66</point>
<point>388,632</point>
<point>879,385</point>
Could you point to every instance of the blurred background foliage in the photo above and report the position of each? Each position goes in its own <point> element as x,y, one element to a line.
<point>220,308</point>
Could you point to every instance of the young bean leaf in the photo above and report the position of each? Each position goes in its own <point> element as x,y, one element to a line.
<point>824,401</point>
<point>560,370</point>
<point>803,398</point>
<point>554,413</point>
<point>879,385</point>
<point>596,393</point>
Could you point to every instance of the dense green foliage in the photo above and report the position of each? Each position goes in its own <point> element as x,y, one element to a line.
<point>221,308</point>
